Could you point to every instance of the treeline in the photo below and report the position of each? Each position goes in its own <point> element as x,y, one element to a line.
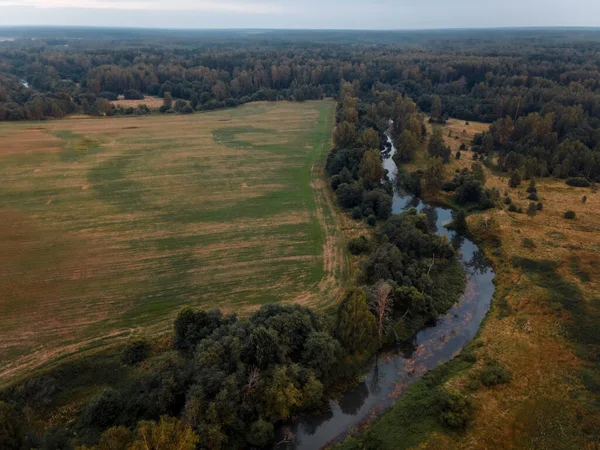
<point>474,78</point>
<point>560,141</point>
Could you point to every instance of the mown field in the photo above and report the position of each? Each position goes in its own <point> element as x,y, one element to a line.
<point>110,226</point>
<point>542,327</point>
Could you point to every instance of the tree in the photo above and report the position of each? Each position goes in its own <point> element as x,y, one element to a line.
<point>369,139</point>
<point>168,434</point>
<point>320,353</point>
<point>532,188</point>
<point>168,100</point>
<point>115,438</point>
<point>356,327</point>
<point>488,143</point>
<point>344,134</point>
<point>515,179</point>
<point>460,221</point>
<point>349,195</point>
<point>11,428</point>
<point>532,210</point>
<point>135,351</point>
<point>433,176</point>
<point>262,348</point>
<point>261,433</point>
<point>105,409</point>
<point>371,169</point>
<point>436,108</point>
<point>437,146</point>
<point>478,172</point>
<point>382,307</point>
<point>407,145</point>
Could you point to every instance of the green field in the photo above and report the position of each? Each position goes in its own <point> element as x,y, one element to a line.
<point>111,225</point>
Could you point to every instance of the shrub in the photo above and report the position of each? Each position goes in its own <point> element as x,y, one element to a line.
<point>533,196</point>
<point>11,428</point>
<point>578,182</point>
<point>457,156</point>
<point>569,214</point>
<point>507,200</point>
<point>358,246</point>
<point>494,374</point>
<point>513,208</point>
<point>357,213</point>
<point>372,220</point>
<point>135,351</point>
<point>463,146</point>
<point>111,96</point>
<point>132,94</point>
<point>456,409</point>
<point>104,409</point>
<point>539,206</point>
<point>528,243</point>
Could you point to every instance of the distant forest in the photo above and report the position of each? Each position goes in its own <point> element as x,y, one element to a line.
<point>541,87</point>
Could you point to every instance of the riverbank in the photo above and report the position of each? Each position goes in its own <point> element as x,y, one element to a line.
<point>539,328</point>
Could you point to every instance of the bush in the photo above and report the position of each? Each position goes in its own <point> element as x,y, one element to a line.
<point>539,206</point>
<point>104,410</point>
<point>456,409</point>
<point>528,243</point>
<point>569,215</point>
<point>372,220</point>
<point>349,195</point>
<point>507,200</point>
<point>110,96</point>
<point>11,428</point>
<point>135,351</point>
<point>358,246</point>
<point>357,213</point>
<point>578,182</point>
<point>132,94</point>
<point>513,208</point>
<point>533,196</point>
<point>494,374</point>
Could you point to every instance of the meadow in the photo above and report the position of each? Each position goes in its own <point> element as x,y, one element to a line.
<point>111,225</point>
<point>542,326</point>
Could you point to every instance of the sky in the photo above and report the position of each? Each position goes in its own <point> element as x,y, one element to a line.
<point>302,14</point>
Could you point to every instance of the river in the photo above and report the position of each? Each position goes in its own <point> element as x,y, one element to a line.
<point>394,370</point>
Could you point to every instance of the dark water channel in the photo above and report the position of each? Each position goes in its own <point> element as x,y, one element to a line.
<point>395,369</point>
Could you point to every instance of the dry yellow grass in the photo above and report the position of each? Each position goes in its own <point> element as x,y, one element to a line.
<point>150,102</point>
<point>525,332</point>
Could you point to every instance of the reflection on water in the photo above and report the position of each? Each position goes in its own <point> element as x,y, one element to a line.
<point>394,370</point>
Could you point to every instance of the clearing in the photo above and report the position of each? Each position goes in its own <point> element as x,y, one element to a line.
<point>111,225</point>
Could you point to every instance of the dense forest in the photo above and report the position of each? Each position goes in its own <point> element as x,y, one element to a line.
<point>221,381</point>
<point>542,91</point>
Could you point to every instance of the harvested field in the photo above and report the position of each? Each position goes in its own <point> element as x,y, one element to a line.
<point>112,225</point>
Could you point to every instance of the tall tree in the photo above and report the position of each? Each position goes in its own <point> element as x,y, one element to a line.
<point>407,145</point>
<point>371,169</point>
<point>356,326</point>
<point>436,108</point>
<point>433,176</point>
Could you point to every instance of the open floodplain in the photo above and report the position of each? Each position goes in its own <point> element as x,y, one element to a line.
<point>111,225</point>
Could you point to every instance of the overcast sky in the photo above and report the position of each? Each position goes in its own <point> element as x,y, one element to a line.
<point>331,14</point>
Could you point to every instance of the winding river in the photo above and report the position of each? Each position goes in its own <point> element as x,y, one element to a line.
<point>394,370</point>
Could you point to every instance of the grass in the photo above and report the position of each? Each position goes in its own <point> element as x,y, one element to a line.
<point>111,225</point>
<point>542,327</point>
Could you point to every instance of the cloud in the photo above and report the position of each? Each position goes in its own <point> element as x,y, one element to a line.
<point>153,5</point>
